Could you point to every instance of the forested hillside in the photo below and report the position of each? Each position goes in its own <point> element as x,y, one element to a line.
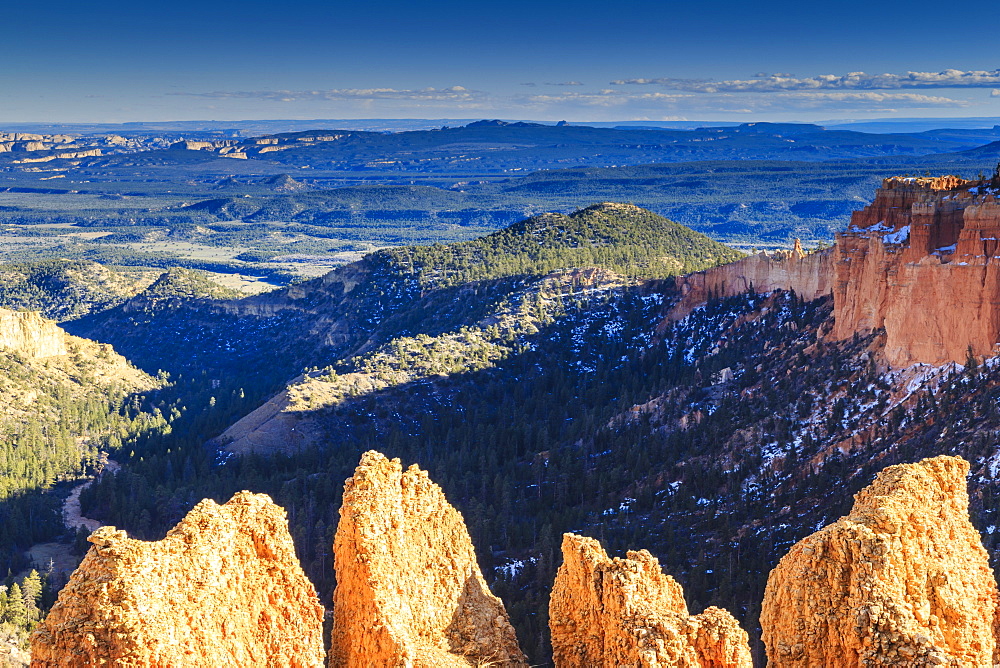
<point>66,290</point>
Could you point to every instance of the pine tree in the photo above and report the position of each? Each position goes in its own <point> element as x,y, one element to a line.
<point>16,612</point>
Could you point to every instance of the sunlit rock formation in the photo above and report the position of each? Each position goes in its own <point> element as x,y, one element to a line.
<point>223,588</point>
<point>923,262</point>
<point>903,580</point>
<point>627,612</point>
<point>409,590</point>
<point>30,335</point>
<point>810,275</point>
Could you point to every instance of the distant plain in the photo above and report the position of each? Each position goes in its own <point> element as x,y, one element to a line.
<point>299,204</point>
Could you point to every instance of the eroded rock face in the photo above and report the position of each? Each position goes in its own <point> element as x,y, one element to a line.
<point>223,588</point>
<point>923,262</point>
<point>809,275</point>
<point>901,581</point>
<point>627,612</point>
<point>409,590</point>
<point>31,335</point>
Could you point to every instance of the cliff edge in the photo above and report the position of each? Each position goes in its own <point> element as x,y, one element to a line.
<point>903,580</point>
<point>223,588</point>
<point>810,275</point>
<point>409,591</point>
<point>923,261</point>
<point>627,612</point>
<point>31,335</point>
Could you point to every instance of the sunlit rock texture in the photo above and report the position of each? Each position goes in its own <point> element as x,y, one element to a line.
<point>223,588</point>
<point>409,591</point>
<point>903,580</point>
<point>627,612</point>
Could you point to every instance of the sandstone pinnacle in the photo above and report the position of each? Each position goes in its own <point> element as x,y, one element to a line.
<point>903,580</point>
<point>223,588</point>
<point>627,612</point>
<point>409,591</point>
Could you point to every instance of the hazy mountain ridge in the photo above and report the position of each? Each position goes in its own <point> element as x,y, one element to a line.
<point>502,146</point>
<point>276,221</point>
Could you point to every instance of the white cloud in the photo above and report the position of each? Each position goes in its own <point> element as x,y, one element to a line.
<point>852,81</point>
<point>868,97</point>
<point>995,92</point>
<point>450,94</point>
<point>577,102</point>
<point>743,104</point>
<point>604,98</point>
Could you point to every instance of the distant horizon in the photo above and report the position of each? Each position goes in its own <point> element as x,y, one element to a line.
<point>274,125</point>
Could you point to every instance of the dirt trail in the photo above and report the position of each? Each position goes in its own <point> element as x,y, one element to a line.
<point>71,513</point>
<point>58,555</point>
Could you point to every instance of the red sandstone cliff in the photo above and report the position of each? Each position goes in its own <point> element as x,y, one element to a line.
<point>224,588</point>
<point>809,275</point>
<point>409,590</point>
<point>922,261</point>
<point>903,580</point>
<point>627,612</point>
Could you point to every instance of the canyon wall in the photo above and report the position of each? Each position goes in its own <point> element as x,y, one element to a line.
<point>409,591</point>
<point>809,275</point>
<point>31,335</point>
<point>922,261</point>
<point>223,588</point>
<point>627,612</point>
<point>903,580</point>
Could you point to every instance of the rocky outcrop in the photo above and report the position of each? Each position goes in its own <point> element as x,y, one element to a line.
<point>809,275</point>
<point>68,155</point>
<point>627,612</point>
<point>30,335</point>
<point>903,580</point>
<point>224,588</point>
<point>923,261</point>
<point>409,591</point>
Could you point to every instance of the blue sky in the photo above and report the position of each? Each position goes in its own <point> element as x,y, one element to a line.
<point>112,61</point>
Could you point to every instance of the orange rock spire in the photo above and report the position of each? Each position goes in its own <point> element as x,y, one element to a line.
<point>903,580</point>
<point>224,588</point>
<point>409,590</point>
<point>627,612</point>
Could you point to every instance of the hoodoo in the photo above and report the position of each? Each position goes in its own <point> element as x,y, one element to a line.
<point>409,591</point>
<point>223,588</point>
<point>627,612</point>
<point>903,580</point>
